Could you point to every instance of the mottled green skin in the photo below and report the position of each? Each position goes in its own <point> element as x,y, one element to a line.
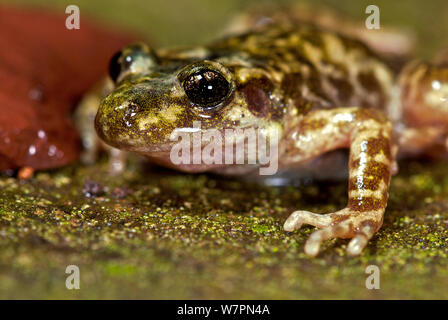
<point>271,71</point>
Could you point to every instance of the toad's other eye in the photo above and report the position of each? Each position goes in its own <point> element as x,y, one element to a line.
<point>115,66</point>
<point>206,88</point>
<point>134,58</point>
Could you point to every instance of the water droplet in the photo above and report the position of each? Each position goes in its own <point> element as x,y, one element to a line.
<point>32,150</point>
<point>52,150</point>
<point>41,134</point>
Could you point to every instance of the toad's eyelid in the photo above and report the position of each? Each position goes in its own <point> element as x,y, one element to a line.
<point>140,64</point>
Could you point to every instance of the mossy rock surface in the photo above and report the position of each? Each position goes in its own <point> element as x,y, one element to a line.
<point>152,233</point>
<point>171,235</point>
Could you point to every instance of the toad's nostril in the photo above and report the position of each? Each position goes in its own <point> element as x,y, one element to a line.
<point>130,113</point>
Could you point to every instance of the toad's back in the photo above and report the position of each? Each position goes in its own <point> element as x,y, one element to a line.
<point>314,68</point>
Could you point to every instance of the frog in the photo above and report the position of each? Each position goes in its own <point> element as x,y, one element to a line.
<point>309,89</point>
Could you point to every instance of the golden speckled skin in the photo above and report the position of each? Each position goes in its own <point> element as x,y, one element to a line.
<point>274,72</point>
<point>321,90</point>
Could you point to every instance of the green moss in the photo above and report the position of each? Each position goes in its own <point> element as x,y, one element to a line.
<point>198,236</point>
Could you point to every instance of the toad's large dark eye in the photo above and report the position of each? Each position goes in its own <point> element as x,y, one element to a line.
<point>206,88</point>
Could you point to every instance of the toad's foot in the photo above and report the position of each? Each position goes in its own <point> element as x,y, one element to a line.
<point>368,133</point>
<point>346,223</point>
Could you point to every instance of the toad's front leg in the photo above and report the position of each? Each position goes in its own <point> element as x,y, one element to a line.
<point>367,132</point>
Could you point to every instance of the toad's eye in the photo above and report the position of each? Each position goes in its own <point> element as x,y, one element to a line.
<point>115,66</point>
<point>206,88</point>
<point>134,58</point>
